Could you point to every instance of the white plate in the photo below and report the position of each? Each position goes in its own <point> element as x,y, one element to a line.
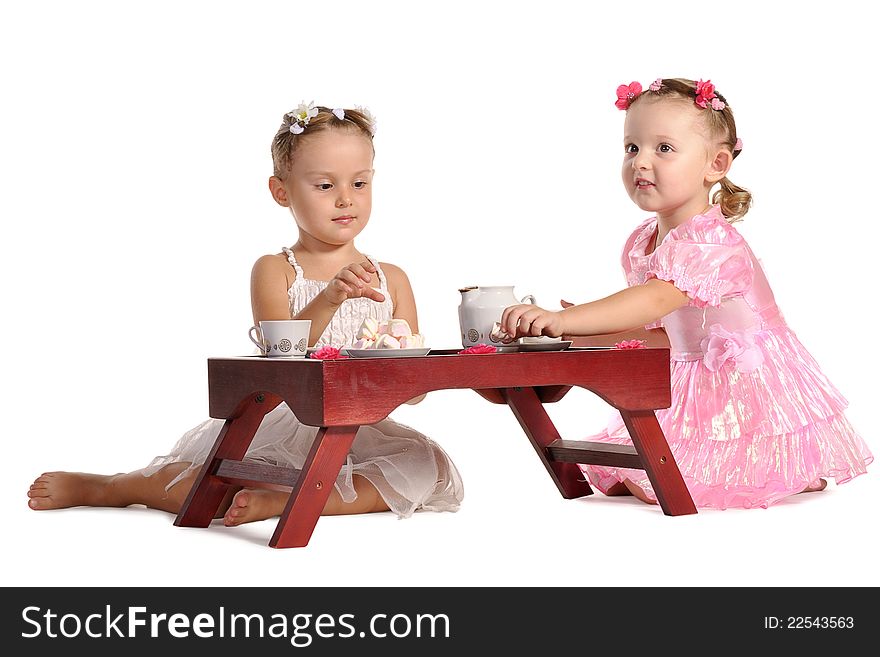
<point>550,345</point>
<point>386,353</point>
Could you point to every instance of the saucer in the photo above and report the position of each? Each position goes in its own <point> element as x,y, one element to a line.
<point>549,345</point>
<point>386,353</point>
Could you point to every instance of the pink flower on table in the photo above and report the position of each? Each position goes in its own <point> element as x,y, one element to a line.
<point>631,344</point>
<point>626,94</point>
<point>479,349</point>
<point>327,353</point>
<point>721,345</point>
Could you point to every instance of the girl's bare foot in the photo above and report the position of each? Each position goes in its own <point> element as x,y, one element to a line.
<point>815,488</point>
<point>251,504</point>
<point>60,490</point>
<point>618,489</point>
<point>638,492</point>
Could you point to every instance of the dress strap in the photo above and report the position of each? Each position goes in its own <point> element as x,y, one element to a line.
<point>383,284</point>
<point>293,263</point>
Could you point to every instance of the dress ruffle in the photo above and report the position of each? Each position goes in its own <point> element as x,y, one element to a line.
<point>707,260</point>
<point>755,470</point>
<point>787,393</point>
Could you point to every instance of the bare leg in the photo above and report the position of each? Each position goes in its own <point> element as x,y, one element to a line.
<point>60,490</point>
<point>251,504</point>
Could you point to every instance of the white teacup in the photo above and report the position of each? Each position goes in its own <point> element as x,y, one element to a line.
<point>284,338</point>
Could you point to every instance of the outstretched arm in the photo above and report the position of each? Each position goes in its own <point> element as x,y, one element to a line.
<point>635,306</point>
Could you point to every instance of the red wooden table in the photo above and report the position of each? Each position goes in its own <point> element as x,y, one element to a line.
<point>340,395</point>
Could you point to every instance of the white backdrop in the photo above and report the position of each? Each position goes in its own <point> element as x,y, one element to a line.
<point>135,154</point>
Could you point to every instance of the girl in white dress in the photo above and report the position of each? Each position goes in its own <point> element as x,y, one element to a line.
<point>323,170</point>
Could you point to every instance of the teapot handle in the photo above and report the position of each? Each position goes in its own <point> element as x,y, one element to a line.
<point>529,298</point>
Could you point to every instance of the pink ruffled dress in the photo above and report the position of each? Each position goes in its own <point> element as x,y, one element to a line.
<point>410,471</point>
<point>753,418</point>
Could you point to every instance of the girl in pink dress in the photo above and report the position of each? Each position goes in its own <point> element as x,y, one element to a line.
<point>753,419</point>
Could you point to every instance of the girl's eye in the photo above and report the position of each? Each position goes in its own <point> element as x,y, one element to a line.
<point>631,148</point>
<point>360,184</point>
<point>324,186</point>
<point>664,148</point>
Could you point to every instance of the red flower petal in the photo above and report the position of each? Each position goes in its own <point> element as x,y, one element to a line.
<point>479,349</point>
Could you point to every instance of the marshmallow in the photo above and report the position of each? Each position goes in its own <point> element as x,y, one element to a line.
<point>390,334</point>
<point>498,334</point>
<point>414,341</point>
<point>399,328</point>
<point>386,341</point>
<point>369,329</point>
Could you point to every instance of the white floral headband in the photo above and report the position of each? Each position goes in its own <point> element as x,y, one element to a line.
<point>302,115</point>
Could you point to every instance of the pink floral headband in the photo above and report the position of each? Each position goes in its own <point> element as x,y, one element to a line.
<point>705,94</point>
<point>705,98</point>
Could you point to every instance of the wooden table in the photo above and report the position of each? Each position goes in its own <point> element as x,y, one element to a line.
<point>340,395</point>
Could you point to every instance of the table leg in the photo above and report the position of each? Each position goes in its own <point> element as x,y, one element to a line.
<point>541,431</point>
<point>660,466</point>
<point>233,441</point>
<point>313,488</point>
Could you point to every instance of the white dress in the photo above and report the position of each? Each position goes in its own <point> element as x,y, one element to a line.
<point>408,469</point>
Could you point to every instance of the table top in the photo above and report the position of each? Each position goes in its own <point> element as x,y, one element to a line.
<point>365,390</point>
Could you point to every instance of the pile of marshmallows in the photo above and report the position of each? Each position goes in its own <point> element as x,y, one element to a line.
<point>390,334</point>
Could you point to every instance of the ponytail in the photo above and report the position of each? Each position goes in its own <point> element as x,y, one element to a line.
<point>734,201</point>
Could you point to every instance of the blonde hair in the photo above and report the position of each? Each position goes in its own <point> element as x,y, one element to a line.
<point>735,201</point>
<point>285,143</point>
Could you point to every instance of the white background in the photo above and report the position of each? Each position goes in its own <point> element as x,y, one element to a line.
<point>135,154</point>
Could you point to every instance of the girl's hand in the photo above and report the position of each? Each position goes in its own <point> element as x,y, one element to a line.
<point>353,282</point>
<point>528,320</point>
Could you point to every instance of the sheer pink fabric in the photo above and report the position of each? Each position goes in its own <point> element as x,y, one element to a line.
<point>753,418</point>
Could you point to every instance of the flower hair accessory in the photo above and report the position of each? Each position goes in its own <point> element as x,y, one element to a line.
<point>626,94</point>
<point>706,96</point>
<point>299,119</point>
<point>738,146</point>
<point>301,116</point>
<point>370,118</point>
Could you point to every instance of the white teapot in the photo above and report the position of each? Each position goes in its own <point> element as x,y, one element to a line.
<point>481,307</point>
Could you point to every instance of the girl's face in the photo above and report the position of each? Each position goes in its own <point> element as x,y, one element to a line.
<point>329,186</point>
<point>669,164</point>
